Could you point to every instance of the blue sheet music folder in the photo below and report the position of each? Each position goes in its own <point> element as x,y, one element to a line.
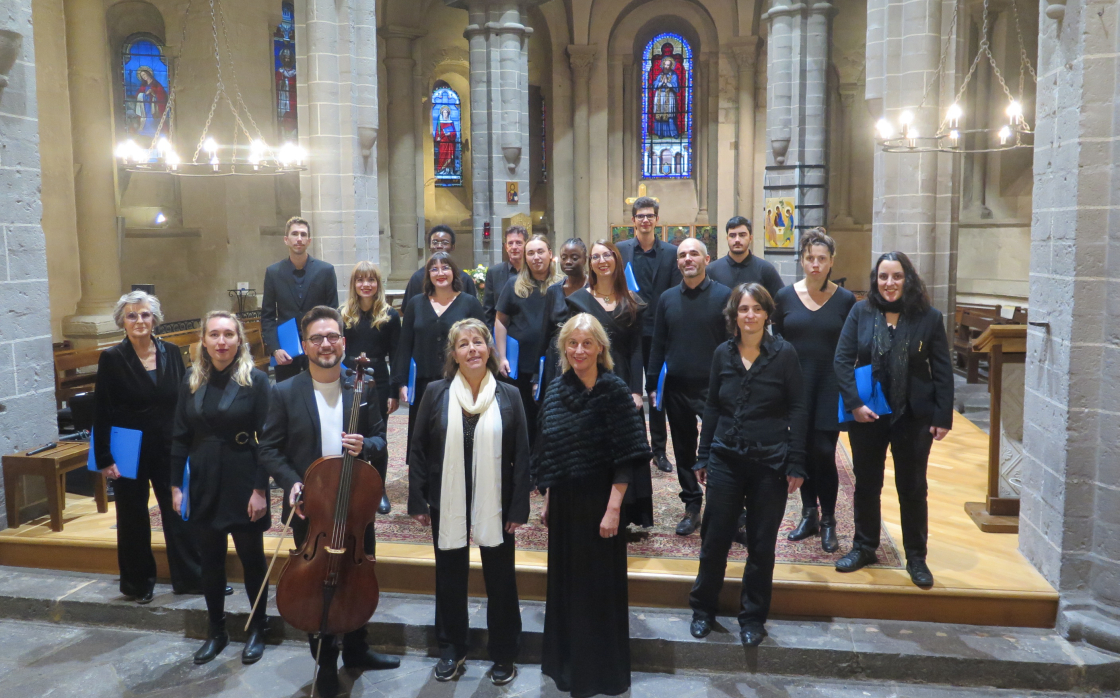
<point>513,353</point>
<point>661,385</point>
<point>288,336</point>
<point>124,445</point>
<point>631,280</point>
<point>870,391</point>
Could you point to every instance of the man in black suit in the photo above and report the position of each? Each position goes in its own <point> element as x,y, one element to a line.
<point>293,286</point>
<point>291,442</point>
<point>441,238</point>
<point>499,274</point>
<point>654,263</point>
<point>739,266</point>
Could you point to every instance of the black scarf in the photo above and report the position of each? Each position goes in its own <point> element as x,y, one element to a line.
<point>890,356</point>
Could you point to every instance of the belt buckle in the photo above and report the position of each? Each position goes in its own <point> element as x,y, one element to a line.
<point>242,438</point>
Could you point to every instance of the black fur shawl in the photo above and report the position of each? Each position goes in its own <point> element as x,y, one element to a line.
<point>582,431</point>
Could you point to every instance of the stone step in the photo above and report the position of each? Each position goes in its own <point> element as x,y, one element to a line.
<point>960,655</point>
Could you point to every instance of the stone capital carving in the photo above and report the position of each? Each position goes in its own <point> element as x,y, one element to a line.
<point>780,10</point>
<point>744,49</point>
<point>394,31</point>
<point>10,45</point>
<point>582,57</point>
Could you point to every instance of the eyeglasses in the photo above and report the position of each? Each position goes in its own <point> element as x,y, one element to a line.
<point>440,244</point>
<point>645,216</point>
<point>143,315</point>
<point>602,257</point>
<point>318,339</point>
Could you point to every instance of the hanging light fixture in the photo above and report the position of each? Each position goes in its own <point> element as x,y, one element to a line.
<point>249,154</point>
<point>950,137</point>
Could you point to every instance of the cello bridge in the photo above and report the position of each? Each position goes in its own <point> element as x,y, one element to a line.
<point>335,551</point>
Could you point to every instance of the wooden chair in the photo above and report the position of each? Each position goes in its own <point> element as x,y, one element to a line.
<point>75,371</point>
<point>52,466</point>
<point>256,345</point>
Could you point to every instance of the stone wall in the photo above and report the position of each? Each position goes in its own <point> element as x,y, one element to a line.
<point>26,373</point>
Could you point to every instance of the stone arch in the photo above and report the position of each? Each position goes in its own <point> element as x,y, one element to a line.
<point>616,23</point>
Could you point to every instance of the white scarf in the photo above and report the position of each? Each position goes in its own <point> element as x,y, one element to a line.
<point>486,507</point>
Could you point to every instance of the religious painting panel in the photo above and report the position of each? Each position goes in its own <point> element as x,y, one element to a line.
<point>144,71</point>
<point>666,96</point>
<point>779,223</point>
<point>447,143</point>
<point>621,232</point>
<point>707,234</point>
<point>284,71</point>
<point>676,234</point>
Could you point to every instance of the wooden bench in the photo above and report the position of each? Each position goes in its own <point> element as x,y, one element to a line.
<point>188,343</point>
<point>75,371</point>
<point>971,321</point>
<point>52,466</point>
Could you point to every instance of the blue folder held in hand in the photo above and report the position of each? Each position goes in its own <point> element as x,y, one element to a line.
<point>513,353</point>
<point>288,336</point>
<point>185,506</point>
<point>540,379</point>
<point>631,280</point>
<point>124,445</point>
<point>870,391</point>
<point>411,392</point>
<point>661,385</point>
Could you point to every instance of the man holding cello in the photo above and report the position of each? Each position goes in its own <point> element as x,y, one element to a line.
<point>307,420</point>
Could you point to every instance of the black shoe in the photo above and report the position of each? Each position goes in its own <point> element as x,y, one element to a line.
<point>700,627</point>
<point>229,590</point>
<point>254,644</point>
<point>919,572</point>
<point>146,598</point>
<point>689,523</point>
<point>448,669</point>
<point>501,674</point>
<point>752,637</point>
<point>384,507</point>
<point>741,536</point>
<point>663,464</point>
<point>370,660</point>
<point>857,559</point>
<point>809,525</point>
<point>326,683</point>
<point>198,592</point>
<point>829,543</point>
<point>216,641</point>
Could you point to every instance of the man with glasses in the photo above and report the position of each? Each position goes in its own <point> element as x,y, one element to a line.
<point>293,286</point>
<point>499,274</point>
<point>290,443</point>
<point>654,266</point>
<point>441,238</point>
<point>739,266</point>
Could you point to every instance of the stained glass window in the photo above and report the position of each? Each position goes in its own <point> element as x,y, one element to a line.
<point>667,72</point>
<point>144,70</point>
<point>447,136</point>
<point>284,55</point>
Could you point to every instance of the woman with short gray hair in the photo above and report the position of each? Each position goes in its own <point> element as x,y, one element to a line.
<point>137,388</point>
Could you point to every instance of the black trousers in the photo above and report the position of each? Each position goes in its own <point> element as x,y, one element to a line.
<point>134,535</point>
<point>524,385</point>
<point>657,434</point>
<point>763,489</point>
<point>414,409</point>
<point>503,614</point>
<point>909,440</point>
<point>384,392</point>
<point>823,482</point>
<point>283,373</point>
<point>684,404</point>
<point>213,546</point>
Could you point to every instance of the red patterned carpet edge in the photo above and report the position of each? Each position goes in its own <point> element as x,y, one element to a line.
<point>658,542</point>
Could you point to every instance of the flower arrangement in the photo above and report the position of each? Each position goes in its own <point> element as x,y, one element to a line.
<point>478,275</point>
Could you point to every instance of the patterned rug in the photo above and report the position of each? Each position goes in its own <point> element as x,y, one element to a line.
<point>658,542</point>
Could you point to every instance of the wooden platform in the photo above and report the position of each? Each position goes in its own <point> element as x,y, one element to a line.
<point>981,577</point>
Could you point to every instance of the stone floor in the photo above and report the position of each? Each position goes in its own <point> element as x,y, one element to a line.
<point>45,659</point>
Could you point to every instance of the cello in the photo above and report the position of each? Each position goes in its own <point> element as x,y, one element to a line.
<point>329,586</point>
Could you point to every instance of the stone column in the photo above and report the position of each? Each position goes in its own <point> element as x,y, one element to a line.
<point>745,51</point>
<point>87,48</point>
<point>582,57</point>
<point>1069,523</point>
<point>844,195</point>
<point>629,133</point>
<point>403,143</point>
<point>616,170</point>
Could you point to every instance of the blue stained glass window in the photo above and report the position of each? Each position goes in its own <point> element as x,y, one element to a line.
<point>284,67</point>
<point>447,140</point>
<point>144,70</point>
<point>667,73</point>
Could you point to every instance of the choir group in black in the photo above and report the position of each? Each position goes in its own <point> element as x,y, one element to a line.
<point>759,365</point>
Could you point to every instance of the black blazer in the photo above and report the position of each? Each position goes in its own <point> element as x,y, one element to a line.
<point>425,460</point>
<point>125,396</point>
<point>280,304</point>
<point>222,447</point>
<point>290,441</point>
<point>496,277</point>
<point>930,392</point>
<point>665,275</point>
<point>415,286</point>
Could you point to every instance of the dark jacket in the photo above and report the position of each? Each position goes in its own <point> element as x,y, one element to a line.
<point>415,285</point>
<point>425,460</point>
<point>222,447</point>
<point>665,276</point>
<point>496,277</point>
<point>125,396</point>
<point>291,439</point>
<point>930,383</point>
<point>280,302</point>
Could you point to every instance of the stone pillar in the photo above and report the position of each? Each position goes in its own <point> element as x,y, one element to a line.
<point>797,114</point>
<point>745,51</point>
<point>336,64</point>
<point>582,57</point>
<point>844,180</point>
<point>631,79</point>
<point>1069,524</point>
<point>87,48</point>
<point>403,142</point>
<point>27,408</point>
<point>616,170</point>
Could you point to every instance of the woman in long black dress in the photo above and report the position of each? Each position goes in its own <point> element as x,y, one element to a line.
<point>427,320</point>
<point>810,315</point>
<point>619,311</point>
<point>591,446</point>
<point>372,327</point>
<point>573,263</point>
<point>223,403</point>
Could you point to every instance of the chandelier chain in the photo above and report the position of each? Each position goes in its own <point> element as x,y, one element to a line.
<point>169,109</point>
<point>233,75</point>
<point>944,55</point>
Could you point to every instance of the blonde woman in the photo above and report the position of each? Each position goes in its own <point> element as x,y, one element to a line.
<point>223,403</point>
<point>468,477</point>
<point>591,446</point>
<point>521,309</point>
<point>372,327</point>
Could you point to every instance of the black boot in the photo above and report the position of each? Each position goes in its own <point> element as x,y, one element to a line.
<point>810,524</point>
<point>216,641</point>
<point>829,544</point>
<point>384,507</point>
<point>254,643</point>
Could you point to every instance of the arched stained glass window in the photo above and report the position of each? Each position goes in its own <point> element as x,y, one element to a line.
<point>667,73</point>
<point>144,70</point>
<point>284,55</point>
<point>447,137</point>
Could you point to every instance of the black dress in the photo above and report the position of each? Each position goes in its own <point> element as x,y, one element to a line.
<point>525,318</point>
<point>556,313</point>
<point>380,347</point>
